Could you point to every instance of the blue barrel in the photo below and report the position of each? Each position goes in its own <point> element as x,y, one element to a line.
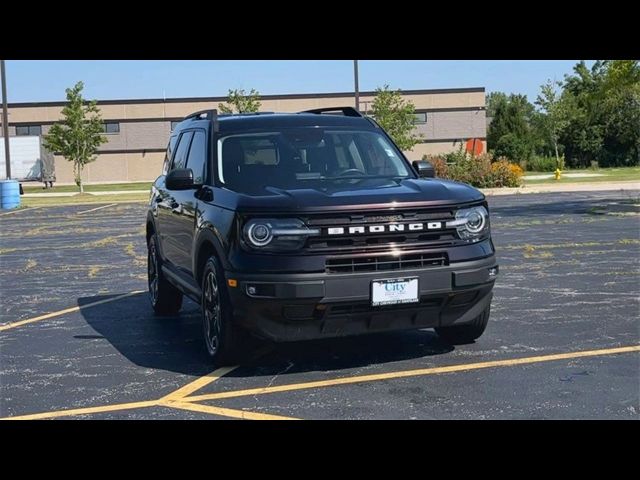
<point>9,194</point>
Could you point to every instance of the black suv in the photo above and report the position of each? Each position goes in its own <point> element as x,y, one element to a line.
<point>313,224</point>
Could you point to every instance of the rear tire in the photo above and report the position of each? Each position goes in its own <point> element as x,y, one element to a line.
<point>166,299</point>
<point>219,333</point>
<point>467,333</point>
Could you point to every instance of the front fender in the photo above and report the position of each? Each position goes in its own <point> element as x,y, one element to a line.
<point>206,235</point>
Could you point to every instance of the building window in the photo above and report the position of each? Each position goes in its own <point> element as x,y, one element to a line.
<point>420,118</point>
<point>174,125</point>
<point>111,127</point>
<point>24,130</point>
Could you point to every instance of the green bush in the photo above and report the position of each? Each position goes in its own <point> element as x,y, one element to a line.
<point>439,165</point>
<point>480,171</point>
<point>505,174</point>
<point>459,155</point>
<point>475,171</point>
<point>513,147</point>
<point>539,163</point>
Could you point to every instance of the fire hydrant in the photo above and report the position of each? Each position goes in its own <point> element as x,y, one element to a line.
<point>558,173</point>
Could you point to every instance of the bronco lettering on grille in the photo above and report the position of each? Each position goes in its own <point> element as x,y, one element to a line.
<point>394,227</point>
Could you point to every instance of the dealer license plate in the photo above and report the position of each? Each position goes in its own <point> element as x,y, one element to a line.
<point>394,291</point>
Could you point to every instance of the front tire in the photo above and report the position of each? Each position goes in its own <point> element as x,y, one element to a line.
<point>467,333</point>
<point>220,335</point>
<point>166,299</point>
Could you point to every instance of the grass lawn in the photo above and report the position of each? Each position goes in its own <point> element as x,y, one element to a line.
<point>83,199</point>
<point>608,175</point>
<point>37,187</point>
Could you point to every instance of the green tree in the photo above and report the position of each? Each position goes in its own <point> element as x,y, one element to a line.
<point>241,102</point>
<point>496,101</point>
<point>396,115</point>
<point>553,118</point>
<point>603,113</point>
<point>595,117</point>
<point>78,136</point>
<point>620,113</point>
<point>583,137</point>
<point>510,133</point>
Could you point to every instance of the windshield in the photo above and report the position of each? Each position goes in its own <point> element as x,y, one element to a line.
<point>307,158</point>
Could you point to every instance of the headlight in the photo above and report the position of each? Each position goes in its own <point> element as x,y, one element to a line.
<point>259,234</point>
<point>471,223</point>
<point>277,233</point>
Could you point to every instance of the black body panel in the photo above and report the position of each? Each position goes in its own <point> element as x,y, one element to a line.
<point>207,220</point>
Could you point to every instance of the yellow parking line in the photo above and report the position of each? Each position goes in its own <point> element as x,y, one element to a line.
<point>67,310</point>
<point>189,388</point>
<point>84,411</point>
<point>166,400</point>
<point>226,412</point>
<point>413,373</point>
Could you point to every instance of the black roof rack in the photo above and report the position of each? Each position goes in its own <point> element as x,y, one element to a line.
<point>213,115</point>
<point>245,114</point>
<point>202,114</point>
<point>346,111</point>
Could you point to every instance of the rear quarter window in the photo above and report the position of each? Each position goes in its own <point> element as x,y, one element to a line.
<point>180,157</point>
<point>167,158</point>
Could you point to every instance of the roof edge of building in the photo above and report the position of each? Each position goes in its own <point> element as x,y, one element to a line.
<point>290,96</point>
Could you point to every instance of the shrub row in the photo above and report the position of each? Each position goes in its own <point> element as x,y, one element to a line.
<point>482,171</point>
<point>538,163</point>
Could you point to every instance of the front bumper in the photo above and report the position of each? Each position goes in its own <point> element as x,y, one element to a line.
<point>288,307</point>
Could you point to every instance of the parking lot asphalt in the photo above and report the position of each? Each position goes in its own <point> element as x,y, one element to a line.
<point>78,338</point>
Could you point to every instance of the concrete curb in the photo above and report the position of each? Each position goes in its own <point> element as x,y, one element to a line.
<point>570,187</point>
<point>71,194</point>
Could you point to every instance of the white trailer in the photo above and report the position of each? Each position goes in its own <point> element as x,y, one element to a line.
<point>29,160</point>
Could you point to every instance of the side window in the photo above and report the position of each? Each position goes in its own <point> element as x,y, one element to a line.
<point>180,158</point>
<point>197,156</point>
<point>167,157</point>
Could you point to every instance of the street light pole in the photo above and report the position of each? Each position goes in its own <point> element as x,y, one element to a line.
<point>355,81</point>
<point>5,121</point>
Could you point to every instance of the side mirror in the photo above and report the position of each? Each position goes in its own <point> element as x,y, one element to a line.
<point>423,168</point>
<point>180,179</point>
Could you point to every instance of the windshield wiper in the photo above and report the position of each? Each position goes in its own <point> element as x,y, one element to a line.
<point>355,177</point>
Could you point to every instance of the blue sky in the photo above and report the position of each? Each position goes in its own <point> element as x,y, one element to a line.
<point>46,80</point>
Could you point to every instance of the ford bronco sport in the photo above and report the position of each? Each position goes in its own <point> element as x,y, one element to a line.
<point>310,225</point>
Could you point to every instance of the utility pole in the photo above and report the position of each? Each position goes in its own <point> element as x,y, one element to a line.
<point>355,81</point>
<point>5,121</point>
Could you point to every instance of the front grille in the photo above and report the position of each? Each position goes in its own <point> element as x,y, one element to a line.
<point>385,262</point>
<point>413,240</point>
<point>366,307</point>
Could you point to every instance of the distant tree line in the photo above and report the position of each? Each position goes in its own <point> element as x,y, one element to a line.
<point>590,118</point>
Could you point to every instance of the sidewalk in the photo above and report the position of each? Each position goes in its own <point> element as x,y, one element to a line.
<point>71,194</point>
<point>567,187</point>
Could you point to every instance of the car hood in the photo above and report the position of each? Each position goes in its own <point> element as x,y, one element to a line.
<point>374,195</point>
